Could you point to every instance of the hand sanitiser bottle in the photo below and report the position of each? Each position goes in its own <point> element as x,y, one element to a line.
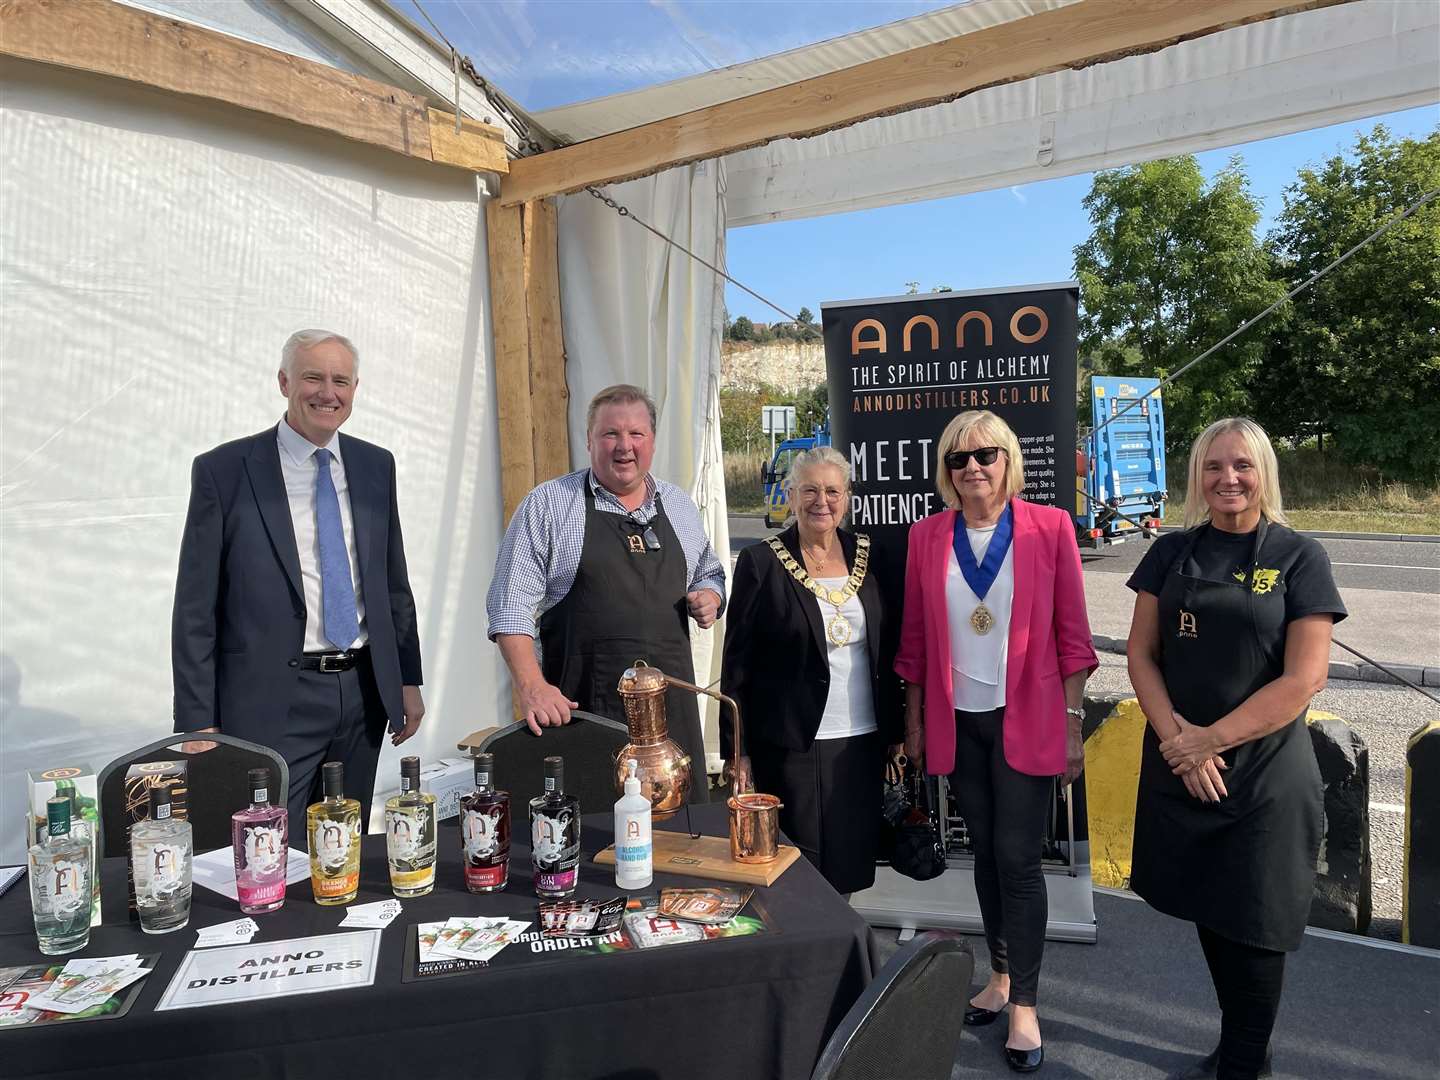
<point>634,852</point>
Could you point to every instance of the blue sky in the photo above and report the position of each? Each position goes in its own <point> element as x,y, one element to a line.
<point>1015,236</point>
<point>552,52</point>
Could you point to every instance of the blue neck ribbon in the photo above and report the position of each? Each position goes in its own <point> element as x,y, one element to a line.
<point>980,577</point>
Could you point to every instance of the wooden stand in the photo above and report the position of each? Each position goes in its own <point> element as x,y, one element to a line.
<point>708,857</point>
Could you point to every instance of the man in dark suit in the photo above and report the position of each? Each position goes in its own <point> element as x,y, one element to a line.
<point>294,624</point>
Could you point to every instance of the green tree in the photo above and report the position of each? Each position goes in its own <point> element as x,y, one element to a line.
<point>806,317</point>
<point>1358,355</point>
<point>1171,266</point>
<point>740,421</point>
<point>742,329</point>
<point>811,407</point>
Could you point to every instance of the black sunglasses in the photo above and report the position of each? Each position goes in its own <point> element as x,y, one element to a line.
<point>985,455</point>
<point>652,542</point>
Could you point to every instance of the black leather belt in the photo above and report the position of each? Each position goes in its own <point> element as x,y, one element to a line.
<point>332,663</point>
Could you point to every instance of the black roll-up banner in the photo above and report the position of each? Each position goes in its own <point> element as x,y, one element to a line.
<point>900,369</point>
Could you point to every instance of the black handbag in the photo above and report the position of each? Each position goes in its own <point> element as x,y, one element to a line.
<point>894,807</point>
<point>919,850</point>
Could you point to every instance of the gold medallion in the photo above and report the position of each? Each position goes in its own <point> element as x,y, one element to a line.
<point>838,629</point>
<point>982,620</point>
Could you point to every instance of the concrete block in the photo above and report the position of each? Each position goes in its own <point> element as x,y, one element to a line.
<point>1112,780</point>
<point>1344,669</point>
<point>1420,916</point>
<point>1432,677</point>
<point>1102,643</point>
<point>1371,673</point>
<point>1341,900</point>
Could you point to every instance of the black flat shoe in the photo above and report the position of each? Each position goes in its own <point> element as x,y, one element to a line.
<point>1207,1067</point>
<point>975,1016</point>
<point>1025,1061</point>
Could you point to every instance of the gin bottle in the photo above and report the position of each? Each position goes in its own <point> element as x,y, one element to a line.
<point>410,834</point>
<point>85,825</point>
<point>485,831</point>
<point>555,835</point>
<point>160,854</point>
<point>60,883</point>
<point>333,828</point>
<point>260,839</point>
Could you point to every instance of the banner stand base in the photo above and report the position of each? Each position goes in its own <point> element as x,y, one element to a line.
<point>949,902</point>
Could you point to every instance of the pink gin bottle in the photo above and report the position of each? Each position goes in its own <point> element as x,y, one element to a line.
<point>261,840</point>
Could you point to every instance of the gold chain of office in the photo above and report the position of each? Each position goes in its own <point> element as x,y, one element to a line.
<point>837,628</point>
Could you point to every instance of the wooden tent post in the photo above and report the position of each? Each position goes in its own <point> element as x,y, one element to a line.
<point>530,386</point>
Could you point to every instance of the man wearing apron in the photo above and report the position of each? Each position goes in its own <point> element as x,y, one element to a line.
<point>1235,851</point>
<point>605,566</point>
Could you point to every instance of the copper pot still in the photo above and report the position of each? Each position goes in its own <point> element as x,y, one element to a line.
<point>663,768</point>
<point>754,817</point>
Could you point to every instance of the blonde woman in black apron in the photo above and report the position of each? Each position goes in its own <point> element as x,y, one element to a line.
<point>1230,641</point>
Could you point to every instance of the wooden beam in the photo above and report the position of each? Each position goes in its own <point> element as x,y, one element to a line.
<point>510,332</point>
<point>1076,36</point>
<point>113,39</point>
<point>477,147</point>
<point>549,392</point>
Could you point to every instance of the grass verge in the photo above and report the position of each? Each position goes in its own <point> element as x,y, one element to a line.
<point>742,482</point>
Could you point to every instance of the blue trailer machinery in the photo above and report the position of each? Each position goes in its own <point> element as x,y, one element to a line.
<point>1120,483</point>
<point>772,474</point>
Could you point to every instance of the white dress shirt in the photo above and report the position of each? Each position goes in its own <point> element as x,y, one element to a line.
<point>297,464</point>
<point>978,661</point>
<point>849,705</point>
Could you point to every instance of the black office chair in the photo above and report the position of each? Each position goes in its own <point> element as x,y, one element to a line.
<point>589,745</point>
<point>217,781</point>
<point>907,1023</point>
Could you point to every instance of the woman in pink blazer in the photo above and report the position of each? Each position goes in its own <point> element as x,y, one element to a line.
<point>995,650</point>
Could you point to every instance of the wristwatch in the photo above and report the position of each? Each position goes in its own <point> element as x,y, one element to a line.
<point>1078,714</point>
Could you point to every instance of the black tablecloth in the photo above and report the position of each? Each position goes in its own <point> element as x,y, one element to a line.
<point>743,1007</point>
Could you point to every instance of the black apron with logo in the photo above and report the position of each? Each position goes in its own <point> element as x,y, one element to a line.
<point>1243,867</point>
<point>625,605</point>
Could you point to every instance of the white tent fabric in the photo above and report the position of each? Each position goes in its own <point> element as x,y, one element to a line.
<point>154,254</point>
<point>618,112</point>
<point>1257,81</point>
<point>638,311</point>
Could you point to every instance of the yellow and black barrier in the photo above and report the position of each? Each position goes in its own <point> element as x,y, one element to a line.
<point>1342,886</point>
<point>1420,904</point>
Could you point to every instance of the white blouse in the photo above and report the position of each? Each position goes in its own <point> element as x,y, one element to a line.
<point>977,661</point>
<point>849,706</point>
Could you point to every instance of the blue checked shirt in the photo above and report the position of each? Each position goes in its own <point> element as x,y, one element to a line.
<point>540,554</point>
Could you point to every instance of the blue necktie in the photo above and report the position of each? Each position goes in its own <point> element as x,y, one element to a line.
<point>337,591</point>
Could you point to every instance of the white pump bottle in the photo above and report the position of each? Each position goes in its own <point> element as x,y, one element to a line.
<point>634,851</point>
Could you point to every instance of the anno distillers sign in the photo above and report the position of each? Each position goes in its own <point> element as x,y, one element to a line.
<point>273,969</point>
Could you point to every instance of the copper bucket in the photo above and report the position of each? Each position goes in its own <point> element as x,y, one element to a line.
<point>754,827</point>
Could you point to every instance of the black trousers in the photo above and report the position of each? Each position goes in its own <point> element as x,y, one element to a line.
<point>333,717</point>
<point>1248,981</point>
<point>1005,813</point>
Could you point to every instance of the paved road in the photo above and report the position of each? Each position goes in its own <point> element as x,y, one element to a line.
<point>1393,591</point>
<point>1377,565</point>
